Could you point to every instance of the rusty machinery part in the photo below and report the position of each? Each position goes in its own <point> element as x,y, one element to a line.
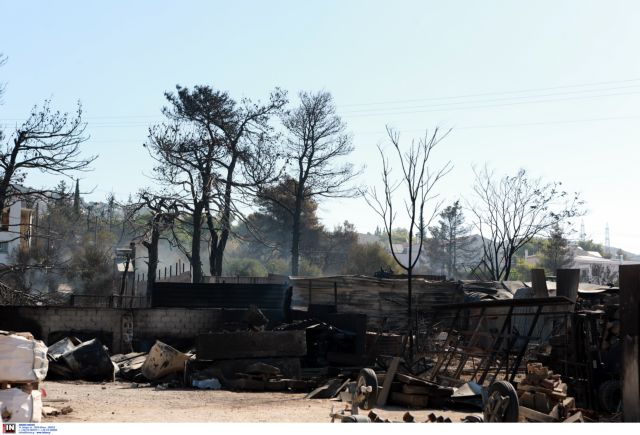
<point>502,403</point>
<point>356,419</point>
<point>366,394</point>
<point>610,396</point>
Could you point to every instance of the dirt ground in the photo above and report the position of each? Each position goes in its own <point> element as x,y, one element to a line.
<point>121,402</point>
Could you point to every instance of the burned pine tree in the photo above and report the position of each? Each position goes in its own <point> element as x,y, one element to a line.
<point>48,141</point>
<point>415,188</point>
<point>153,216</point>
<point>316,142</point>
<point>212,147</point>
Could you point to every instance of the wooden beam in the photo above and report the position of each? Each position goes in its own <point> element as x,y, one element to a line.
<point>539,283</point>
<point>388,379</point>
<point>532,414</point>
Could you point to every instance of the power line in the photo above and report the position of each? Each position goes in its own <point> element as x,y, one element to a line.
<point>116,117</point>
<point>410,112</point>
<point>142,124</point>
<point>500,99</point>
<point>522,124</point>
<point>495,93</point>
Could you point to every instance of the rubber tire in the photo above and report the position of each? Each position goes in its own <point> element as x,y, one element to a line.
<point>369,378</point>
<point>512,413</point>
<point>610,396</point>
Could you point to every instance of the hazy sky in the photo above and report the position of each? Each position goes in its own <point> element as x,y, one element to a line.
<point>551,86</point>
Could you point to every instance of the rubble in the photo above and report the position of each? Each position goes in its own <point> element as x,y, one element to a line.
<point>88,361</point>
<point>543,391</point>
<point>163,360</point>
<point>130,365</point>
<point>456,367</point>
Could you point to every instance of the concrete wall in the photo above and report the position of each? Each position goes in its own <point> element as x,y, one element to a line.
<point>148,323</point>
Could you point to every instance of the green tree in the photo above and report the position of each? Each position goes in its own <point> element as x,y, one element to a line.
<point>521,271</point>
<point>556,252</point>
<point>245,267</point>
<point>590,245</point>
<point>451,241</point>
<point>277,266</point>
<point>368,259</point>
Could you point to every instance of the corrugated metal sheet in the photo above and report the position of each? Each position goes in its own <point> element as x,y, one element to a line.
<point>379,299</point>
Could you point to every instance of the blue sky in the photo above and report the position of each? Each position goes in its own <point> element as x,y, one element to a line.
<point>551,86</point>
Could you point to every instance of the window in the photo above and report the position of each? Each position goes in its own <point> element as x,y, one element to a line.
<point>4,225</point>
<point>4,247</point>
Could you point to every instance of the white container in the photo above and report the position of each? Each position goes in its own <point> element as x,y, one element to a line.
<point>22,359</point>
<point>22,407</point>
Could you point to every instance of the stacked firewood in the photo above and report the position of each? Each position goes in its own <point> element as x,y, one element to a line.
<point>543,391</point>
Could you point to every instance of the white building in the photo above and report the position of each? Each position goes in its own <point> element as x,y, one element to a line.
<point>16,228</point>
<point>593,266</point>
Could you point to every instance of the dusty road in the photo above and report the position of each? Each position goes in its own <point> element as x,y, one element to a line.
<point>120,402</point>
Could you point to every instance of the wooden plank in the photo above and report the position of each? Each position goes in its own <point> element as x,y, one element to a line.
<point>344,384</point>
<point>326,391</point>
<point>575,418</point>
<point>532,414</point>
<point>567,281</point>
<point>232,345</point>
<point>414,400</point>
<point>388,379</point>
<point>539,283</point>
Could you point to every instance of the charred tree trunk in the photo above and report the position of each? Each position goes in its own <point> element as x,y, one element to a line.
<point>295,237</point>
<point>152,265</point>
<point>219,241</point>
<point>196,263</point>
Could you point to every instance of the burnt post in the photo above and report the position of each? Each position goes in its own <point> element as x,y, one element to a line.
<point>539,283</point>
<point>629,329</point>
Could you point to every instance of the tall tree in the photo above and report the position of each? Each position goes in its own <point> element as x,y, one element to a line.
<point>48,141</point>
<point>212,146</point>
<point>415,188</point>
<point>153,215</point>
<point>556,252</point>
<point>316,143</point>
<point>512,210</point>
<point>76,199</point>
<point>451,239</point>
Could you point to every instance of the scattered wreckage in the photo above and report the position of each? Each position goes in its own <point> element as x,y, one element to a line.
<point>502,352</point>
